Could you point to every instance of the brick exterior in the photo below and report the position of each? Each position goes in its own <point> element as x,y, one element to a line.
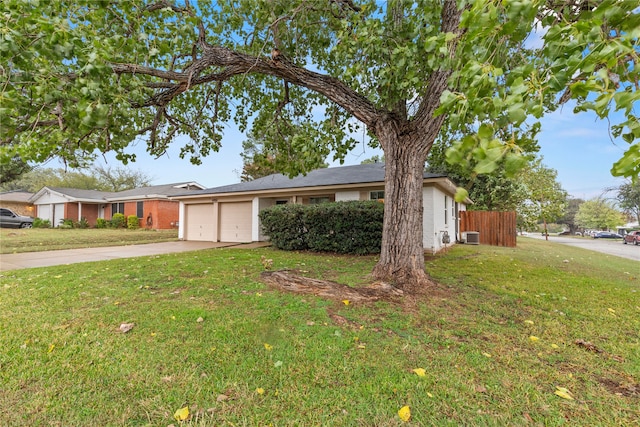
<point>158,214</point>
<point>25,209</point>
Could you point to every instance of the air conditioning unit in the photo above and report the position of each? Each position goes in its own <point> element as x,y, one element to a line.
<point>473,238</point>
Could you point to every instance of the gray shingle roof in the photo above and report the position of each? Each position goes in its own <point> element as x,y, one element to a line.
<point>15,196</point>
<point>77,193</point>
<point>358,174</point>
<point>155,190</point>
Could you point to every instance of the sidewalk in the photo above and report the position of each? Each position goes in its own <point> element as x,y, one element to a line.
<point>73,256</point>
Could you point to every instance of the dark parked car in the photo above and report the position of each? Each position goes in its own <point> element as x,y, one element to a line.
<point>606,235</point>
<point>10,219</point>
<point>632,237</point>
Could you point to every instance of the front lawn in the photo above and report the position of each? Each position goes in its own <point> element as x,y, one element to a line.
<point>49,239</point>
<point>540,335</point>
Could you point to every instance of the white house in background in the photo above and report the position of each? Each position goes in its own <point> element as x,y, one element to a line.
<point>230,213</point>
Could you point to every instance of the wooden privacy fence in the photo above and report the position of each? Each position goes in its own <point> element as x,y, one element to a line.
<point>495,228</point>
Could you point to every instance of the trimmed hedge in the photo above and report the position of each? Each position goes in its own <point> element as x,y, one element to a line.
<point>133,223</point>
<point>342,227</point>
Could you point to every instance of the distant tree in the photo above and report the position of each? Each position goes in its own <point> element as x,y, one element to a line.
<point>373,159</point>
<point>275,152</point>
<point>95,178</point>
<point>546,200</point>
<point>599,214</point>
<point>119,178</point>
<point>629,198</point>
<point>13,169</point>
<point>569,217</point>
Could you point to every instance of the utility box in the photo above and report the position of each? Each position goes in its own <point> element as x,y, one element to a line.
<point>472,238</point>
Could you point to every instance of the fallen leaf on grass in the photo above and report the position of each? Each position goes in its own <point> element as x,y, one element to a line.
<point>346,302</point>
<point>587,345</point>
<point>199,320</point>
<point>563,393</point>
<point>222,398</point>
<point>260,390</point>
<point>181,414</point>
<point>533,338</point>
<point>268,347</point>
<point>481,389</point>
<point>529,322</point>
<point>126,327</point>
<point>404,413</point>
<point>420,372</point>
<point>51,347</point>
<point>486,355</point>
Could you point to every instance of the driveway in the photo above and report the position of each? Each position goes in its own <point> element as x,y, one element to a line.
<point>72,256</point>
<point>605,246</point>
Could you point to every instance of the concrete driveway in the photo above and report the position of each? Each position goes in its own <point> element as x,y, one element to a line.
<point>72,256</point>
<point>605,246</point>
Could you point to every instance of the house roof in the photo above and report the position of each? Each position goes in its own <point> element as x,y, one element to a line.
<point>358,174</point>
<point>94,196</point>
<point>157,191</point>
<point>18,196</point>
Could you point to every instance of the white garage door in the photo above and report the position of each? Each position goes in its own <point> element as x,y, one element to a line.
<point>44,212</point>
<point>199,222</point>
<point>235,222</point>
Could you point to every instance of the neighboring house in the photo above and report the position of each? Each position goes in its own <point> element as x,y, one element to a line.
<point>18,201</point>
<point>151,204</point>
<point>230,213</point>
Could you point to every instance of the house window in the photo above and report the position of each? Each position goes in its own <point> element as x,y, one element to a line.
<point>139,209</point>
<point>281,202</point>
<point>318,200</point>
<point>446,210</point>
<point>117,208</point>
<point>376,195</point>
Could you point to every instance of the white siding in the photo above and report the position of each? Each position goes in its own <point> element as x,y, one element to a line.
<point>437,219</point>
<point>344,196</point>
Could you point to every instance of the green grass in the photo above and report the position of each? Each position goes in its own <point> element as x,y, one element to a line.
<point>41,239</point>
<point>64,362</point>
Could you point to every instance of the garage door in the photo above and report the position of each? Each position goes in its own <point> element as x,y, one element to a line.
<point>199,223</point>
<point>235,222</point>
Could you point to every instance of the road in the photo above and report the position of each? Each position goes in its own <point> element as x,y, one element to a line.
<point>606,246</point>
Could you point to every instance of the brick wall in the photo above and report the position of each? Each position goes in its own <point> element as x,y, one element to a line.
<point>20,208</point>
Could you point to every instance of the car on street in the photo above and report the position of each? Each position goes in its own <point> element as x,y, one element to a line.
<point>632,237</point>
<point>10,219</point>
<point>606,235</point>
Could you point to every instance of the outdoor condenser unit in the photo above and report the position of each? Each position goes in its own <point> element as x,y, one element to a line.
<point>473,238</point>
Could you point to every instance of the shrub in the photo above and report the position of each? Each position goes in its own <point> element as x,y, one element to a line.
<point>101,223</point>
<point>41,223</point>
<point>83,223</point>
<point>285,226</point>
<point>66,223</point>
<point>133,222</point>
<point>117,220</point>
<point>343,227</point>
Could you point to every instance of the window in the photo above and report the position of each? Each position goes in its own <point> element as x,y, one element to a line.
<point>318,200</point>
<point>117,208</point>
<point>281,202</point>
<point>376,195</point>
<point>140,209</point>
<point>446,210</point>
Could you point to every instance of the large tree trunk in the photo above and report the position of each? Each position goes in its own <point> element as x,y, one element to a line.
<point>402,255</point>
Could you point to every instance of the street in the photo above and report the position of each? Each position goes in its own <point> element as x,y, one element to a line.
<point>606,246</point>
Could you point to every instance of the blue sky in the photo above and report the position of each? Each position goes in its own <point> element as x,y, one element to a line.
<point>578,146</point>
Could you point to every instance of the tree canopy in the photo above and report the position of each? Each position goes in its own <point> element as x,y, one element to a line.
<point>97,177</point>
<point>628,197</point>
<point>599,214</point>
<point>84,76</point>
